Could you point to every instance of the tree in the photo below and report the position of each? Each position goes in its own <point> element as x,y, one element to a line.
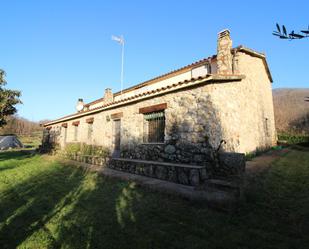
<point>283,34</point>
<point>20,126</point>
<point>8,100</point>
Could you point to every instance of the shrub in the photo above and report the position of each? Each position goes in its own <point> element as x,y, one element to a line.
<point>293,138</point>
<point>100,151</point>
<point>86,149</point>
<point>72,148</point>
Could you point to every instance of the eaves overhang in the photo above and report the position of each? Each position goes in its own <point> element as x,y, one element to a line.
<point>207,79</point>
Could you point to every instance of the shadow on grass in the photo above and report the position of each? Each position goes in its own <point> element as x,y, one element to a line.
<point>7,167</point>
<point>7,157</point>
<point>278,200</point>
<point>74,209</point>
<point>28,205</point>
<point>17,155</point>
<point>102,217</point>
<point>82,205</point>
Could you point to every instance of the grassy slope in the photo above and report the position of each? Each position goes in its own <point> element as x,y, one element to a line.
<point>44,204</point>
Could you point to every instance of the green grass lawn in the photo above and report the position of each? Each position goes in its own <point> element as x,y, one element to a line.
<point>46,204</point>
<point>33,140</point>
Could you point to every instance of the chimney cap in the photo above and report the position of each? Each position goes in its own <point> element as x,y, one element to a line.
<point>80,100</point>
<point>223,33</point>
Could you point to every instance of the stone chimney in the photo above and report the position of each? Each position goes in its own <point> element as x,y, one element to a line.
<point>108,96</point>
<point>224,53</point>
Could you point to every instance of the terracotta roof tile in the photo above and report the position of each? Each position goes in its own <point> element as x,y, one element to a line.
<point>187,67</point>
<point>153,80</point>
<point>82,113</point>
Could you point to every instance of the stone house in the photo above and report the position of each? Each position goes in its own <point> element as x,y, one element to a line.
<point>180,116</point>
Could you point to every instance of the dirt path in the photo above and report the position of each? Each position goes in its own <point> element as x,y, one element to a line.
<point>263,162</point>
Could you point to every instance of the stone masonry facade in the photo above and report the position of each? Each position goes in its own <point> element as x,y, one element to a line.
<point>231,101</point>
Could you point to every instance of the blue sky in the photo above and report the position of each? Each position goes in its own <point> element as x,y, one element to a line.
<point>56,51</point>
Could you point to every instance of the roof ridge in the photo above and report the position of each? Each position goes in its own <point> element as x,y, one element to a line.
<point>139,85</point>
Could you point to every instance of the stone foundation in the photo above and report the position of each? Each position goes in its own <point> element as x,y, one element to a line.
<point>178,173</point>
<point>229,165</point>
<point>221,186</point>
<point>177,152</point>
<point>225,166</point>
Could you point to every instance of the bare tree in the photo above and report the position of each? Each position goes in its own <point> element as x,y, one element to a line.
<point>20,126</point>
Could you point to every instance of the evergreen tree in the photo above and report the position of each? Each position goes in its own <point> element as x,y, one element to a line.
<point>8,100</point>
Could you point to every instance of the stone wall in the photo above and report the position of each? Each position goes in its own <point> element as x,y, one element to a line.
<point>256,113</point>
<point>230,166</point>
<point>197,118</point>
<point>182,174</point>
<point>190,120</point>
<point>194,154</point>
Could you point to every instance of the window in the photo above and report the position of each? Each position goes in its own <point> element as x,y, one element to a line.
<point>154,127</point>
<point>75,132</point>
<point>65,134</point>
<point>90,130</point>
<point>65,131</point>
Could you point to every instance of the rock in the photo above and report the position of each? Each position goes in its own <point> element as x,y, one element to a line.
<point>161,172</point>
<point>148,170</point>
<point>198,158</point>
<point>172,176</point>
<point>182,177</point>
<point>203,174</point>
<point>194,177</point>
<point>232,164</point>
<point>186,128</point>
<point>170,149</point>
<point>175,137</point>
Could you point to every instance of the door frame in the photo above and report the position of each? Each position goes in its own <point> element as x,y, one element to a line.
<point>116,142</point>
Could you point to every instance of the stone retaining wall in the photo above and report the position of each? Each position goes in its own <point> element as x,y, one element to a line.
<point>228,166</point>
<point>182,174</point>
<point>174,152</point>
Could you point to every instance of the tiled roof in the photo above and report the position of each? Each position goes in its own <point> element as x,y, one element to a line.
<point>156,79</point>
<point>188,67</point>
<point>165,88</point>
<point>208,77</point>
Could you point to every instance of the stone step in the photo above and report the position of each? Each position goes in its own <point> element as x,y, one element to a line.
<point>160,163</point>
<point>192,175</point>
